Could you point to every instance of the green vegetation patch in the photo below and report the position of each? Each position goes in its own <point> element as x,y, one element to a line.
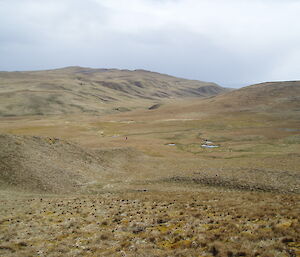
<point>293,139</point>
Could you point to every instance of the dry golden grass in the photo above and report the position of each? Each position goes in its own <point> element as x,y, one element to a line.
<point>151,224</point>
<point>156,199</point>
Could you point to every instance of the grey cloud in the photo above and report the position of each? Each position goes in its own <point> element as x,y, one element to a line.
<point>187,38</point>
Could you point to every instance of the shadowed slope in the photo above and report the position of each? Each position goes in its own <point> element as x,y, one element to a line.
<point>52,165</point>
<point>45,164</point>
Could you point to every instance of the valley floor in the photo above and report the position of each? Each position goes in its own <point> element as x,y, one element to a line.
<point>159,193</point>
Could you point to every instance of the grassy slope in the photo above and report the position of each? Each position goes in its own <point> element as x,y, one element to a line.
<point>97,91</point>
<point>48,165</point>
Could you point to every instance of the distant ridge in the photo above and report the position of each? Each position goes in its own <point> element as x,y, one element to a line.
<point>77,89</point>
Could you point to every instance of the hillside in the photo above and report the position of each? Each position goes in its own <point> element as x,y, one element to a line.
<point>269,96</point>
<point>281,99</point>
<point>45,164</point>
<point>51,165</point>
<point>97,91</point>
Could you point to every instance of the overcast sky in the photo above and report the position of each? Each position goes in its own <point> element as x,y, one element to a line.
<point>231,42</point>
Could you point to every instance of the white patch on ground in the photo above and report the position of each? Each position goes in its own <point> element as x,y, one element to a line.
<point>209,146</point>
<point>100,132</point>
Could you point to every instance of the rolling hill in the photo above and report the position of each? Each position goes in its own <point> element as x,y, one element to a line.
<point>50,165</point>
<point>278,99</point>
<point>97,91</point>
<point>269,96</point>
